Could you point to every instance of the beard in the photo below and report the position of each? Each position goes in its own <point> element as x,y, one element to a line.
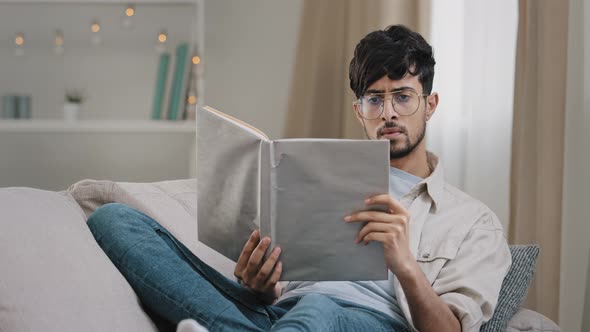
<point>409,143</point>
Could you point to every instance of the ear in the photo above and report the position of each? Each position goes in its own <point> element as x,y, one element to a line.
<point>356,110</point>
<point>431,104</point>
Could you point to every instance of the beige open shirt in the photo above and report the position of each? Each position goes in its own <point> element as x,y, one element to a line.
<point>460,246</point>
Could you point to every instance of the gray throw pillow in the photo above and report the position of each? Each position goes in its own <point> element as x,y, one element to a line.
<point>514,287</point>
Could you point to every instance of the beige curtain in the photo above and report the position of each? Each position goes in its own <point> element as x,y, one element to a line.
<point>538,143</point>
<point>320,102</point>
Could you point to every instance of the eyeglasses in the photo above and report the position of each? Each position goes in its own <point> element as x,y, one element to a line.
<point>405,102</point>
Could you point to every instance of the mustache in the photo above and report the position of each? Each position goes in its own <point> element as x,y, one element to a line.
<point>390,125</point>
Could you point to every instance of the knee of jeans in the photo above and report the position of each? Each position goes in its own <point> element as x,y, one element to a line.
<point>313,312</point>
<point>107,216</point>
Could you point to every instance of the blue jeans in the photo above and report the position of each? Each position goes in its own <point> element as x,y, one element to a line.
<point>174,284</point>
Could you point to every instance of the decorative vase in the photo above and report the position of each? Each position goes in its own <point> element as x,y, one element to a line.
<point>71,111</point>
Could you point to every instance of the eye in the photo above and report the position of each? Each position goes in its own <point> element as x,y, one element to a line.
<point>402,97</point>
<point>374,100</point>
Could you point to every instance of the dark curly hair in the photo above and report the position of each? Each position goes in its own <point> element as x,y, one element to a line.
<point>394,52</point>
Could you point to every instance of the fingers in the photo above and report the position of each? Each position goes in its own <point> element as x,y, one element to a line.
<point>395,209</point>
<point>256,259</point>
<point>246,253</point>
<point>381,226</point>
<point>392,230</point>
<point>372,227</point>
<point>274,278</point>
<point>372,216</point>
<point>384,199</point>
<point>259,282</point>
<point>256,273</point>
<point>375,236</point>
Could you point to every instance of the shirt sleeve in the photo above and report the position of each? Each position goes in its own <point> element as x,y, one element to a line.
<point>470,283</point>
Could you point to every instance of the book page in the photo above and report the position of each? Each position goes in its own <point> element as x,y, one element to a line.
<point>237,122</point>
<point>228,181</point>
<point>315,183</point>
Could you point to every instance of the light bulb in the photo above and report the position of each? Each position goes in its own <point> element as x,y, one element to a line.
<point>161,41</point>
<point>59,38</point>
<point>127,16</point>
<point>130,11</point>
<point>19,40</point>
<point>196,60</point>
<point>192,100</point>
<point>162,37</point>
<point>95,28</point>
<point>58,47</point>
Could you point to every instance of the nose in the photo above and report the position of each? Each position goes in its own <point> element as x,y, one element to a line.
<point>388,110</point>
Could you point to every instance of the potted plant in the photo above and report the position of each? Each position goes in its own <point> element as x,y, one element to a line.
<point>72,104</point>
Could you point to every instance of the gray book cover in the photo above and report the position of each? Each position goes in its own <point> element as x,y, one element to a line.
<point>297,191</point>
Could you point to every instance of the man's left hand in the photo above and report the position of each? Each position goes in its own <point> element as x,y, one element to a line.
<point>390,228</point>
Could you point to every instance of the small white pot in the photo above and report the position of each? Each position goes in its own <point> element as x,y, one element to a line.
<point>71,111</point>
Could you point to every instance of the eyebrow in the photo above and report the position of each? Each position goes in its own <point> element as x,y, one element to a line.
<point>392,90</point>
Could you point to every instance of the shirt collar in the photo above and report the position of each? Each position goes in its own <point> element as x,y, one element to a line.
<point>433,184</point>
<point>436,180</point>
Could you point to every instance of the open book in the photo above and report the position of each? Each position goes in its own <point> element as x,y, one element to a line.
<point>297,191</point>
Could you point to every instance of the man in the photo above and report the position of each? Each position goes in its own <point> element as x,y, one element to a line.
<point>445,251</point>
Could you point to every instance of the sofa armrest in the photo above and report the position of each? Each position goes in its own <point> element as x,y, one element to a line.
<point>531,321</point>
<point>54,276</point>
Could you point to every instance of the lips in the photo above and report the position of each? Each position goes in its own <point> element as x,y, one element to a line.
<point>386,131</point>
<point>390,132</point>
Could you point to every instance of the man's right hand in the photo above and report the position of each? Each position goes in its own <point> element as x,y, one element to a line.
<point>257,274</point>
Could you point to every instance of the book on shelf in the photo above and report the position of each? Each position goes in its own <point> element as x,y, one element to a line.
<point>24,107</point>
<point>296,191</point>
<point>16,107</point>
<point>9,107</point>
<point>182,67</point>
<point>160,92</point>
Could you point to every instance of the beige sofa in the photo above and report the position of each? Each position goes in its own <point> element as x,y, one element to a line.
<point>54,277</point>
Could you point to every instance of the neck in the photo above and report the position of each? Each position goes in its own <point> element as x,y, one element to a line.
<point>415,163</point>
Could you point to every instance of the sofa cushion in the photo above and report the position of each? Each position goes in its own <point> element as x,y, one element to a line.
<point>514,287</point>
<point>525,320</point>
<point>54,275</point>
<point>172,203</point>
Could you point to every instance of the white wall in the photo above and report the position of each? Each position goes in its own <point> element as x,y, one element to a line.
<point>576,218</point>
<point>475,48</point>
<point>249,58</point>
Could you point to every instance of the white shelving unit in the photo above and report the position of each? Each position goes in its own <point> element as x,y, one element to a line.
<point>114,139</point>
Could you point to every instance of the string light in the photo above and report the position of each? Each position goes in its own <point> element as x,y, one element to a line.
<point>130,11</point>
<point>196,60</point>
<point>95,28</point>
<point>20,39</point>
<point>162,37</point>
<point>58,47</point>
<point>161,41</point>
<point>192,99</point>
<point>19,42</point>
<point>127,16</point>
<point>59,38</point>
